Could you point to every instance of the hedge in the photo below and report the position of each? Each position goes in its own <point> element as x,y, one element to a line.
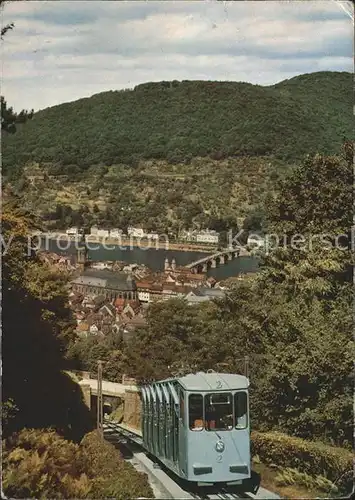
<point>111,476</point>
<point>311,457</point>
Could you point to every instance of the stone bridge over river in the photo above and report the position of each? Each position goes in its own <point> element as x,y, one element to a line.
<point>219,258</point>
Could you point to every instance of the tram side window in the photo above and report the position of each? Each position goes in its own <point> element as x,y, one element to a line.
<point>219,411</point>
<point>241,410</point>
<point>196,412</point>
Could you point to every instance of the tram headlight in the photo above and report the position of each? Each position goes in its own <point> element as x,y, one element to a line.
<point>220,446</point>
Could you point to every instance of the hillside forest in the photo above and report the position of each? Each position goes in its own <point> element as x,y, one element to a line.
<point>173,155</point>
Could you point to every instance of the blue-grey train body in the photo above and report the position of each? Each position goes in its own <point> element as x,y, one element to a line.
<point>197,425</point>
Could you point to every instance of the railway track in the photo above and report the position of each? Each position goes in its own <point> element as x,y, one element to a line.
<point>163,482</point>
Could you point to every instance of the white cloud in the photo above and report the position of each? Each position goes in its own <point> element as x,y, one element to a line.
<point>62,51</point>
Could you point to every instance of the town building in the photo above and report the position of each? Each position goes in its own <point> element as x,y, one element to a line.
<point>143,293</point>
<point>152,236</point>
<point>149,291</point>
<point>207,236</point>
<point>101,265</point>
<point>203,236</point>
<point>189,235</point>
<point>116,233</point>
<point>110,284</point>
<point>72,231</point>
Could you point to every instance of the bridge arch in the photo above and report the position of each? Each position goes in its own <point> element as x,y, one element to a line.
<point>221,257</point>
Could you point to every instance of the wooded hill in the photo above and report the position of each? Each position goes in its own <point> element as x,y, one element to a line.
<point>177,121</point>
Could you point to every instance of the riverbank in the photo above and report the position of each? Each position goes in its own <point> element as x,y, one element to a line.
<point>132,243</point>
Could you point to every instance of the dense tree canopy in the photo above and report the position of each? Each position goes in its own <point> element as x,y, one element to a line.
<point>9,118</point>
<point>37,329</point>
<point>181,120</point>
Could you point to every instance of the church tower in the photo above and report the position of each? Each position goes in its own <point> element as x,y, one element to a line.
<point>82,253</point>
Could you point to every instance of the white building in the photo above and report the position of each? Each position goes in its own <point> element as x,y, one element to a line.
<point>94,330</point>
<point>115,233</point>
<point>152,236</point>
<point>101,265</point>
<point>207,236</point>
<point>129,268</point>
<point>135,232</point>
<point>93,230</point>
<point>187,235</point>
<point>143,296</point>
<point>103,233</point>
<point>72,231</point>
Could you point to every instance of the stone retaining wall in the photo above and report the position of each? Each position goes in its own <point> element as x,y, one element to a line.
<point>132,409</point>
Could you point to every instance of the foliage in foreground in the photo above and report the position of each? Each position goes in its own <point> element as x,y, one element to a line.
<point>305,458</point>
<point>288,477</point>
<point>41,464</point>
<point>111,476</point>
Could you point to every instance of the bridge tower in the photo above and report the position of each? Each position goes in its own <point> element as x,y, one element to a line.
<point>166,264</point>
<point>82,253</point>
<point>173,265</point>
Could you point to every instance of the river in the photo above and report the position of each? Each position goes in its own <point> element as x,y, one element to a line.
<point>154,259</point>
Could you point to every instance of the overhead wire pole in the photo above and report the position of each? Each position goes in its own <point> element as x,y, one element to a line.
<point>100,412</point>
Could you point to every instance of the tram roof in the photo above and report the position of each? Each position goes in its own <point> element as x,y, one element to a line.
<point>201,381</point>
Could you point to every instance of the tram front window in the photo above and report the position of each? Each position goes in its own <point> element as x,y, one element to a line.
<point>241,410</point>
<point>219,411</point>
<point>196,412</point>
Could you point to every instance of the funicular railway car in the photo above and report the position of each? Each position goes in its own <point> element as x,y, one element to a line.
<point>198,427</point>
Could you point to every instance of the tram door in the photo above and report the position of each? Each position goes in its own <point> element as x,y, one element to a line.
<point>175,432</point>
<point>182,433</point>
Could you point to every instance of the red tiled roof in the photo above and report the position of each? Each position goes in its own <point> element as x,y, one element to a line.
<point>143,284</point>
<point>191,276</point>
<point>156,287</point>
<point>169,286</point>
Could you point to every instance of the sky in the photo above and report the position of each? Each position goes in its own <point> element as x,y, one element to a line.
<point>61,51</point>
